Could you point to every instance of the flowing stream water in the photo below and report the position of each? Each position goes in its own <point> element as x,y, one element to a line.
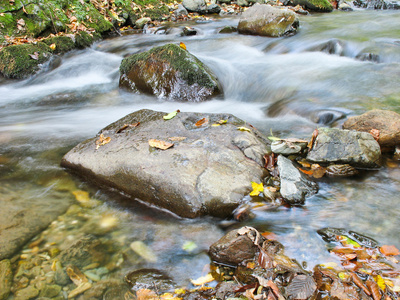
<point>277,84</point>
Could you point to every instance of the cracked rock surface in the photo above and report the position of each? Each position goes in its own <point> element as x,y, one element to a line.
<point>207,173</point>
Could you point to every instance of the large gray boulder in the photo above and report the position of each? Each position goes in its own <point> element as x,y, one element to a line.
<point>206,173</point>
<point>333,145</point>
<point>169,72</point>
<point>295,186</point>
<point>198,6</point>
<point>265,20</point>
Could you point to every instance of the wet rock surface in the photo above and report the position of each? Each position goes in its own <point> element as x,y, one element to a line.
<point>21,220</point>
<point>313,5</point>
<point>294,185</point>
<point>358,149</point>
<point>6,277</point>
<point>385,123</point>
<point>266,20</point>
<point>236,246</point>
<point>148,278</point>
<point>207,171</point>
<point>169,72</point>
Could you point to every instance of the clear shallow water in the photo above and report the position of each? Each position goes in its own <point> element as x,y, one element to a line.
<point>43,117</point>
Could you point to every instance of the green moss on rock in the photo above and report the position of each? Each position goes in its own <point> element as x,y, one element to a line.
<point>16,61</point>
<point>63,44</point>
<point>314,5</point>
<point>166,69</point>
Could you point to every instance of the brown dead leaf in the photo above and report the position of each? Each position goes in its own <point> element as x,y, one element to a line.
<point>318,171</point>
<point>160,144</point>
<point>269,235</point>
<point>265,260</point>
<point>313,137</point>
<point>275,290</point>
<point>358,282</point>
<point>374,288</point>
<point>102,141</point>
<point>375,133</point>
<point>389,250</point>
<point>126,126</point>
<point>201,122</point>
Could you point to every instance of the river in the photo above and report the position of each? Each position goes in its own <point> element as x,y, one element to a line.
<point>276,84</point>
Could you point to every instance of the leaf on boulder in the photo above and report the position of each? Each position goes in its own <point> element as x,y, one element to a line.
<point>171,115</point>
<point>375,133</point>
<point>274,138</point>
<point>160,144</point>
<point>389,250</point>
<point>244,129</point>
<point>201,122</point>
<point>202,280</point>
<point>301,287</point>
<point>177,138</point>
<point>313,137</point>
<point>126,126</point>
<point>257,188</point>
<point>53,46</point>
<point>219,123</point>
<point>102,141</point>
<point>265,260</point>
<point>182,45</point>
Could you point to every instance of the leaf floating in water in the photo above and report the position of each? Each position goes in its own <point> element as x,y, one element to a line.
<point>126,126</point>
<point>374,288</point>
<point>35,55</point>
<point>381,283</point>
<point>144,251</point>
<point>244,129</point>
<point>201,122</point>
<point>389,250</point>
<point>203,279</point>
<point>257,188</point>
<point>171,115</point>
<point>102,141</point>
<point>189,246</point>
<point>358,282</point>
<point>160,144</point>
<point>301,287</point>
<point>177,138</point>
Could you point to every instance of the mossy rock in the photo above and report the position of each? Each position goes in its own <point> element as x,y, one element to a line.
<point>85,40</point>
<point>16,61</point>
<point>169,72</point>
<point>6,6</point>
<point>63,44</point>
<point>314,5</point>
<point>157,13</point>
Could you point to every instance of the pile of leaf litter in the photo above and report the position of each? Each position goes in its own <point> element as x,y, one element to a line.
<point>366,271</point>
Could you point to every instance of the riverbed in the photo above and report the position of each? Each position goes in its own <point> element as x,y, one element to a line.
<point>276,84</point>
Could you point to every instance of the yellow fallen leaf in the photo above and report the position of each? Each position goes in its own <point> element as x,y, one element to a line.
<point>53,46</point>
<point>329,265</point>
<point>244,129</point>
<point>169,296</point>
<point>203,279</point>
<point>182,45</point>
<point>146,294</point>
<point>160,144</point>
<point>257,188</point>
<point>171,115</point>
<point>381,282</point>
<point>81,196</point>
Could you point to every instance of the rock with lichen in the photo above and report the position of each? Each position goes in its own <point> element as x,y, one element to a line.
<point>169,72</point>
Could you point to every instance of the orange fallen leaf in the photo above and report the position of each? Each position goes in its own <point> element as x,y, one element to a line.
<point>126,126</point>
<point>146,294</point>
<point>201,122</point>
<point>269,235</point>
<point>182,45</point>
<point>102,141</point>
<point>375,133</point>
<point>308,172</point>
<point>389,250</point>
<point>160,144</point>
<point>313,137</point>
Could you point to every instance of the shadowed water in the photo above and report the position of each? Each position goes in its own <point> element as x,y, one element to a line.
<point>276,84</point>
